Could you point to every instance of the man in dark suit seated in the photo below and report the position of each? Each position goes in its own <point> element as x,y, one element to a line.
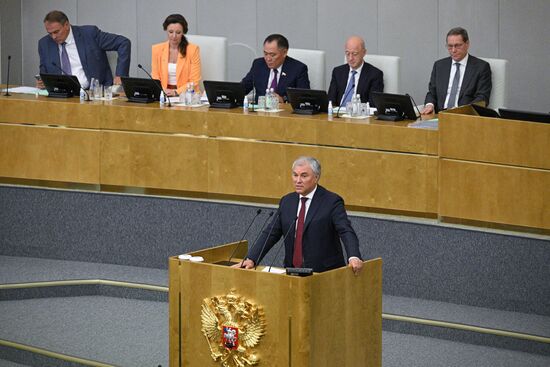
<point>459,79</point>
<point>355,77</point>
<point>276,70</point>
<point>81,51</point>
<point>315,220</point>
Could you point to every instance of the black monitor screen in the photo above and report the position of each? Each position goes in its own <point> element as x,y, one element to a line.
<point>307,101</point>
<point>61,86</point>
<point>524,115</point>
<point>224,94</point>
<point>393,107</point>
<point>142,90</point>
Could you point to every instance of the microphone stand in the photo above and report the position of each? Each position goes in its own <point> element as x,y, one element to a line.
<point>8,79</point>
<point>280,247</point>
<point>159,84</point>
<point>242,238</point>
<point>343,99</point>
<point>415,105</point>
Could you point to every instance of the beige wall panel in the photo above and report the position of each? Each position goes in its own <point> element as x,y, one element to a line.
<point>493,193</point>
<point>485,139</point>
<point>49,153</point>
<point>286,127</point>
<point>21,108</point>
<point>172,162</point>
<point>364,178</point>
<point>151,118</point>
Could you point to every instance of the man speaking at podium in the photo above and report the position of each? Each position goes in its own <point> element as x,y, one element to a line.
<point>313,221</point>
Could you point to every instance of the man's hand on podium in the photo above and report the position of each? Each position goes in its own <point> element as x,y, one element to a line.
<point>245,264</point>
<point>356,265</point>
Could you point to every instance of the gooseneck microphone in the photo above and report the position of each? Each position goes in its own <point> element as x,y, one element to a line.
<point>242,238</point>
<point>258,235</point>
<point>415,105</point>
<point>293,225</point>
<point>267,238</point>
<point>158,82</point>
<point>76,84</point>
<point>8,79</point>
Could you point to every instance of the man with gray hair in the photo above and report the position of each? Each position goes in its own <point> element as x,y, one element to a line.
<point>315,220</point>
<point>459,79</point>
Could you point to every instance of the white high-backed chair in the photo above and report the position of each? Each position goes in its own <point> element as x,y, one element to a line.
<point>499,75</point>
<point>390,67</point>
<point>315,61</point>
<point>213,52</point>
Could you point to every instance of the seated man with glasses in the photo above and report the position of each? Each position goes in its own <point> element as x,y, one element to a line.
<point>355,77</point>
<point>459,79</point>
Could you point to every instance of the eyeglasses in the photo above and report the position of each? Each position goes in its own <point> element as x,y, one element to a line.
<point>456,45</point>
<point>354,54</point>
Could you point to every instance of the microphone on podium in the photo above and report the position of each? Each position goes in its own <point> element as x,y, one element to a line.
<point>228,262</point>
<point>8,79</point>
<point>158,82</point>
<point>267,239</point>
<point>292,225</point>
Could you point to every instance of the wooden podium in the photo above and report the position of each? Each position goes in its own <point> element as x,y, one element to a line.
<point>326,319</point>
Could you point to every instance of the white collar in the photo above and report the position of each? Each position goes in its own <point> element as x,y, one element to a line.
<point>310,195</point>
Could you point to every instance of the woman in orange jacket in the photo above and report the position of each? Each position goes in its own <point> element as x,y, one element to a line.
<point>176,62</point>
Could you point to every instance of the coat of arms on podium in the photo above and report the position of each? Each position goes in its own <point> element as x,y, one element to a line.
<point>232,327</point>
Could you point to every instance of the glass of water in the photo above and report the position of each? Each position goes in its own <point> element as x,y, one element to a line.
<point>261,102</point>
<point>109,93</point>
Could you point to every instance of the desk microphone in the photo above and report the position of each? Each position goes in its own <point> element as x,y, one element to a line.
<point>293,225</point>
<point>343,99</point>
<point>415,105</point>
<point>267,238</point>
<point>259,233</point>
<point>8,79</point>
<point>158,82</point>
<point>76,84</point>
<point>242,238</point>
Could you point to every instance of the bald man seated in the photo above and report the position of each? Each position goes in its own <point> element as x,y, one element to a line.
<point>355,77</point>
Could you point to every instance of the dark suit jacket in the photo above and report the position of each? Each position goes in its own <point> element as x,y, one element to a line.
<point>91,44</point>
<point>370,80</point>
<point>293,74</point>
<point>476,84</point>
<point>326,224</point>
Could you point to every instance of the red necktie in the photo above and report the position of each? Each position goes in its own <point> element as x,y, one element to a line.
<point>297,258</point>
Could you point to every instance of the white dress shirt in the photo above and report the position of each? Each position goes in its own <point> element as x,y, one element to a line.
<point>463,64</point>
<point>74,59</point>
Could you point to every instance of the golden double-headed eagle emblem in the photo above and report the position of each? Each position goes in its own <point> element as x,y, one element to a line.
<point>232,326</point>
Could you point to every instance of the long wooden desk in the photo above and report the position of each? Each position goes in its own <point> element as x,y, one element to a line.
<point>375,166</point>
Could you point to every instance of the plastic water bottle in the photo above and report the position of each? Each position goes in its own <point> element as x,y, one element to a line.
<point>82,94</point>
<point>189,93</point>
<point>330,109</point>
<point>274,99</point>
<point>267,99</point>
<point>162,99</point>
<point>368,109</point>
<point>245,104</point>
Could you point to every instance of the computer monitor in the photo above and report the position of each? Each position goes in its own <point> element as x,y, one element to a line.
<point>393,107</point>
<point>61,86</point>
<point>307,101</point>
<point>484,111</point>
<point>224,94</point>
<point>524,115</point>
<point>141,90</point>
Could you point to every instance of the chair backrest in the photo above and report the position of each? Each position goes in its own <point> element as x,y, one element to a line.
<point>213,52</point>
<point>390,67</point>
<point>315,61</point>
<point>499,75</point>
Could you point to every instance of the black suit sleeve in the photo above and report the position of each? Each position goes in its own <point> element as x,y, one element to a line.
<point>343,226</point>
<point>484,84</point>
<point>248,80</point>
<point>431,96</point>
<point>333,90</point>
<point>302,80</point>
